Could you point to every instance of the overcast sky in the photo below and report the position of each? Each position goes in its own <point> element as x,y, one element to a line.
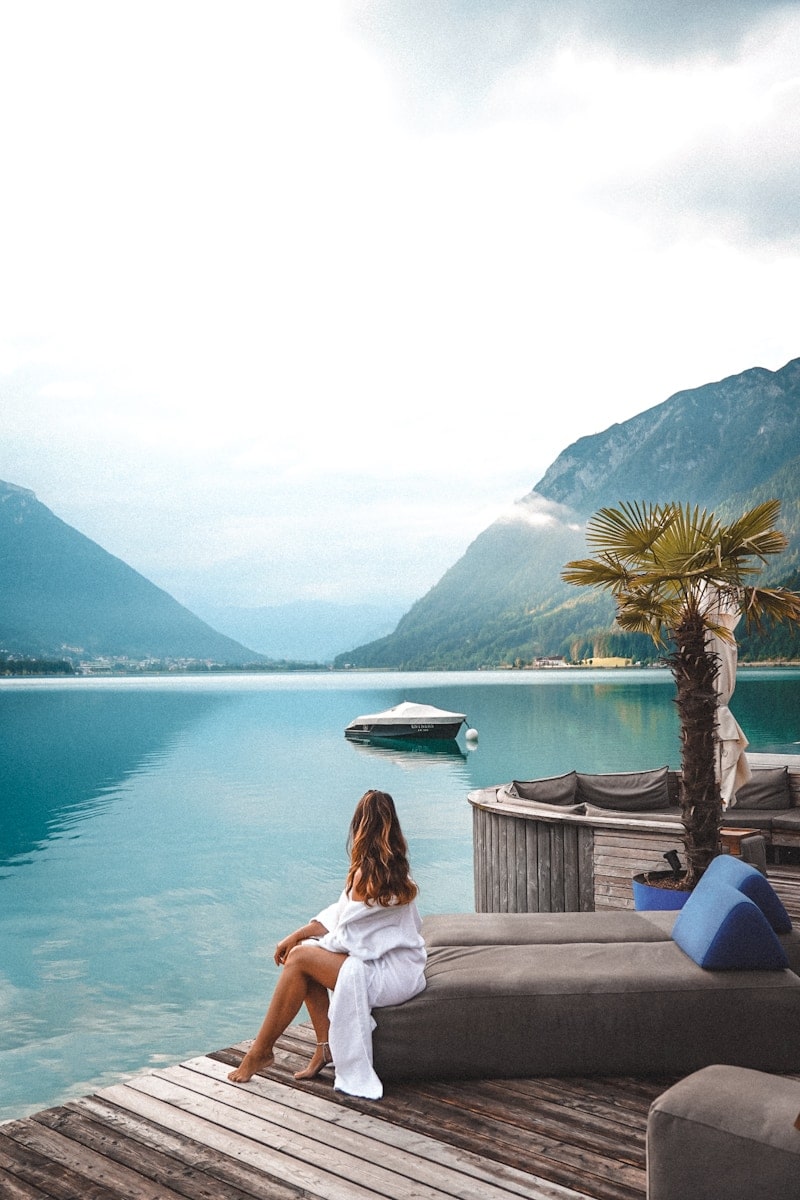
<point>297,296</point>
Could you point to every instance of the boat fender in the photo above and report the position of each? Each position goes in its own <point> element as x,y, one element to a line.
<point>471,735</point>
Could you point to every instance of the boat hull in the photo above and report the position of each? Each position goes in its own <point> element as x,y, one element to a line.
<point>415,731</point>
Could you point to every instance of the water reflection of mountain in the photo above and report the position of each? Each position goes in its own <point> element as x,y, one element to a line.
<point>62,751</point>
<point>408,752</point>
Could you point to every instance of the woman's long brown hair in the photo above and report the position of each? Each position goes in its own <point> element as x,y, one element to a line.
<point>379,852</point>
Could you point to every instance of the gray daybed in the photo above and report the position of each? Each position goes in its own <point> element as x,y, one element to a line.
<point>516,995</point>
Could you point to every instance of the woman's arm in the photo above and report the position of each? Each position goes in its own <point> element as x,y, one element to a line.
<point>313,929</point>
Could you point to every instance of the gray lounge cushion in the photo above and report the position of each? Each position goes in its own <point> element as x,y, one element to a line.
<point>536,929</point>
<point>768,788</point>
<point>631,791</point>
<point>724,1132</point>
<point>556,789</point>
<point>633,1008</point>
<point>529,929</point>
<point>791,944</point>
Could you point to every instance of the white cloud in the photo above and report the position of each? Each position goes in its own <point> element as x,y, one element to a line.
<point>263,331</point>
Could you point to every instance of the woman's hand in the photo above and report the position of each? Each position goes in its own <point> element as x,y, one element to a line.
<point>314,929</point>
<point>284,946</point>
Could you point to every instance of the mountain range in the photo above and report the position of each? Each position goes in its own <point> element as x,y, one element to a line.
<point>305,631</point>
<point>62,595</point>
<point>724,446</point>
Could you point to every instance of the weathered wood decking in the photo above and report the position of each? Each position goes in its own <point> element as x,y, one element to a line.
<point>186,1132</point>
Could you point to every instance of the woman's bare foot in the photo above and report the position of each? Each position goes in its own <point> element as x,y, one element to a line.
<point>320,1059</point>
<point>249,1065</point>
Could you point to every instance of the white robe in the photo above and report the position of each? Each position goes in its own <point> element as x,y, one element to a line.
<point>385,965</point>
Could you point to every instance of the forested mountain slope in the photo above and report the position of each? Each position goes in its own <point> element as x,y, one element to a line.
<point>63,595</point>
<point>725,446</point>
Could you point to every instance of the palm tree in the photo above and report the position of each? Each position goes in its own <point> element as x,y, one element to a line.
<point>672,570</point>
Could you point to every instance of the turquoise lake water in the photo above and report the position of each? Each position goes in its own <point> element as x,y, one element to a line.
<point>160,835</point>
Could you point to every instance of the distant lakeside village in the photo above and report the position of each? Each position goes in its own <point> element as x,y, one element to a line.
<point>19,666</point>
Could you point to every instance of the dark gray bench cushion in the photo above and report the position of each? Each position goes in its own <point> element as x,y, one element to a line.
<point>725,1132</point>
<point>652,795</point>
<point>787,819</point>
<point>631,791</point>
<point>634,1008</point>
<point>748,818</point>
<point>768,788</point>
<point>664,815</point>
<point>556,789</point>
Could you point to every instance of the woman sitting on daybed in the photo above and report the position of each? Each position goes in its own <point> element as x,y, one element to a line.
<point>366,949</point>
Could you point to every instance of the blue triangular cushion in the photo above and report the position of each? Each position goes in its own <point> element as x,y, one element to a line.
<point>725,868</point>
<point>723,930</point>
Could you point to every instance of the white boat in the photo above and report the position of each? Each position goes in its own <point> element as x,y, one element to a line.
<point>407,720</point>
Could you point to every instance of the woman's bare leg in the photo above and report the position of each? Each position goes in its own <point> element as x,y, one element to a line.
<point>305,967</point>
<point>317,1003</point>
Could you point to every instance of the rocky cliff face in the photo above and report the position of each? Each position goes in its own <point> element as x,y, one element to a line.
<point>700,444</point>
<point>725,446</point>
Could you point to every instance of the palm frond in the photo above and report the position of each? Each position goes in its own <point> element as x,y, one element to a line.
<point>604,572</point>
<point>641,612</point>
<point>629,530</point>
<point>770,604</point>
<point>666,562</point>
<point>755,523</point>
<point>688,542</point>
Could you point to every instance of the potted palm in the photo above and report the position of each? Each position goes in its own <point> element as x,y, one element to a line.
<point>672,569</point>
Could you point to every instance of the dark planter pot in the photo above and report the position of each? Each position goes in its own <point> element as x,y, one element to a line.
<point>649,896</point>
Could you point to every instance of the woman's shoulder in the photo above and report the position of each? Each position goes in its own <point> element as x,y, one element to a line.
<point>355,892</point>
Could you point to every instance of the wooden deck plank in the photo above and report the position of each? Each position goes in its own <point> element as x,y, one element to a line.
<point>460,1110</point>
<point>188,1132</point>
<point>83,1167</point>
<point>235,1177</point>
<point>493,1130</point>
<point>305,1157</point>
<point>19,1174</point>
<point>240,1146</point>
<point>454,1114</point>
<point>470,1166</point>
<point>413,1168</point>
<point>592,1131</point>
<point>16,1189</point>
<point>587,1095</point>
<point>153,1162</point>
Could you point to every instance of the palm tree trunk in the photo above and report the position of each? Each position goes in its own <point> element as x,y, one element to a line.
<point>695,670</point>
